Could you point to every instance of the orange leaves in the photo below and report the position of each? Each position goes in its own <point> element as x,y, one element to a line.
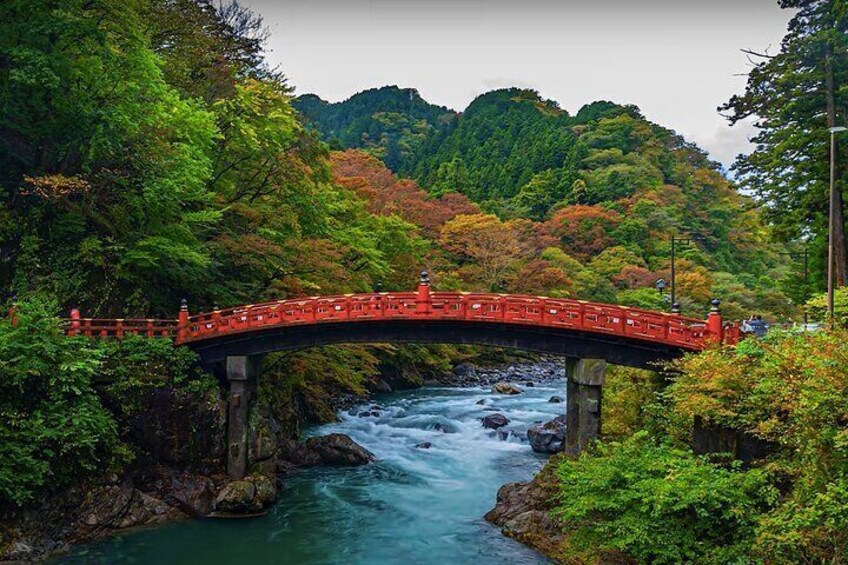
<point>633,276</point>
<point>495,247</point>
<point>695,284</point>
<point>55,187</point>
<point>583,231</point>
<point>387,195</point>
<point>539,277</point>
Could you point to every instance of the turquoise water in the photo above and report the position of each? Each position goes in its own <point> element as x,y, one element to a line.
<point>413,506</point>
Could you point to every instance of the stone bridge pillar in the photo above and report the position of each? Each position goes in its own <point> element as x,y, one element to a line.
<point>585,380</point>
<point>243,376</point>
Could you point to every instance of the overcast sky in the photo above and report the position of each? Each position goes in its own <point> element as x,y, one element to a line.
<point>675,59</point>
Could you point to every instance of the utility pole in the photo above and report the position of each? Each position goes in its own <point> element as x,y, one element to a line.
<point>831,224</point>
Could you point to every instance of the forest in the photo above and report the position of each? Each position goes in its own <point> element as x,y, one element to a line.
<point>149,154</point>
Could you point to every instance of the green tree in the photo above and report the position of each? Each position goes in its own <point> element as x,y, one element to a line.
<point>614,501</point>
<point>796,95</point>
<point>103,165</point>
<point>53,427</point>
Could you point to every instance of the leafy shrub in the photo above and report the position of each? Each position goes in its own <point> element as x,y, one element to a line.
<point>659,504</point>
<point>629,394</point>
<point>808,528</point>
<point>790,389</point>
<point>136,361</point>
<point>53,428</point>
<point>817,307</point>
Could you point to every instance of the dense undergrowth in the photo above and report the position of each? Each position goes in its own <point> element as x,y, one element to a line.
<point>649,498</point>
<point>54,422</point>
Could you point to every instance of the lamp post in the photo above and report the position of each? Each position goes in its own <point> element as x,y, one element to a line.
<point>804,256</point>
<point>831,221</point>
<point>675,240</point>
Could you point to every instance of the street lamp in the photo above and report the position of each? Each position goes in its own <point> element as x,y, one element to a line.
<point>660,285</point>
<point>831,221</point>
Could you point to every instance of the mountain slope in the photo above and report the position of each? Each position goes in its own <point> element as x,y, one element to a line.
<point>390,123</point>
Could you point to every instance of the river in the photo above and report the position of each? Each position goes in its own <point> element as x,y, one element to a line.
<point>413,506</point>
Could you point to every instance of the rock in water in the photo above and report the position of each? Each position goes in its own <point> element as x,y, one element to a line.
<point>556,399</point>
<point>523,512</point>
<point>505,388</point>
<point>337,449</point>
<point>379,385</point>
<point>465,371</point>
<point>495,421</point>
<point>248,495</point>
<point>548,437</point>
<point>425,445</point>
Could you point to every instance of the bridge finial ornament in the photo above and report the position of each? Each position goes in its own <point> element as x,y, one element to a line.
<point>425,278</point>
<point>714,305</point>
<point>675,308</point>
<point>183,305</point>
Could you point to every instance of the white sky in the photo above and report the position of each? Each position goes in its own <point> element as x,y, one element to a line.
<point>676,60</point>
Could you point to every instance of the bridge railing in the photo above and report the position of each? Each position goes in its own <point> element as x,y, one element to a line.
<point>476,307</point>
<point>634,323</point>
<point>95,327</point>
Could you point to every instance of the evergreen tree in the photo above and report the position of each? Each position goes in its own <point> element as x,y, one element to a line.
<point>795,96</point>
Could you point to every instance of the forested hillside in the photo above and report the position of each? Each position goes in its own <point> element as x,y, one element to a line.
<point>148,154</point>
<point>389,122</point>
<point>597,197</point>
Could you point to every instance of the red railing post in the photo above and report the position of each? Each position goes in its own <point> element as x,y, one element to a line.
<point>216,315</point>
<point>75,321</point>
<point>182,322</point>
<point>423,299</point>
<point>715,327</point>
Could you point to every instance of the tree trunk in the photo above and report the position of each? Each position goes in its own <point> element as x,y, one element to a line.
<point>839,246</point>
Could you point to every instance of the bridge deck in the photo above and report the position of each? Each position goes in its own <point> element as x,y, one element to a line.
<point>594,318</point>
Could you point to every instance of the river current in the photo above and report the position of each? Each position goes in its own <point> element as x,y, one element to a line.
<point>413,506</point>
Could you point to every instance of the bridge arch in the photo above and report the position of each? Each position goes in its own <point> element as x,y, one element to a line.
<point>567,342</point>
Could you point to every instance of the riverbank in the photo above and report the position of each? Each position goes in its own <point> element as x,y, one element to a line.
<point>437,472</point>
<point>181,477</point>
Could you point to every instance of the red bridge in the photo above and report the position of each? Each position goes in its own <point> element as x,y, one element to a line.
<point>232,342</point>
<point>618,334</point>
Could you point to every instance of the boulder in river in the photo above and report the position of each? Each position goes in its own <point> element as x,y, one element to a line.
<point>424,445</point>
<point>530,384</point>
<point>337,449</point>
<point>445,429</point>
<point>332,449</point>
<point>505,388</point>
<point>548,437</point>
<point>495,421</point>
<point>556,400</point>
<point>245,496</point>
<point>523,512</point>
<point>379,385</point>
<point>465,372</point>
<point>481,402</point>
